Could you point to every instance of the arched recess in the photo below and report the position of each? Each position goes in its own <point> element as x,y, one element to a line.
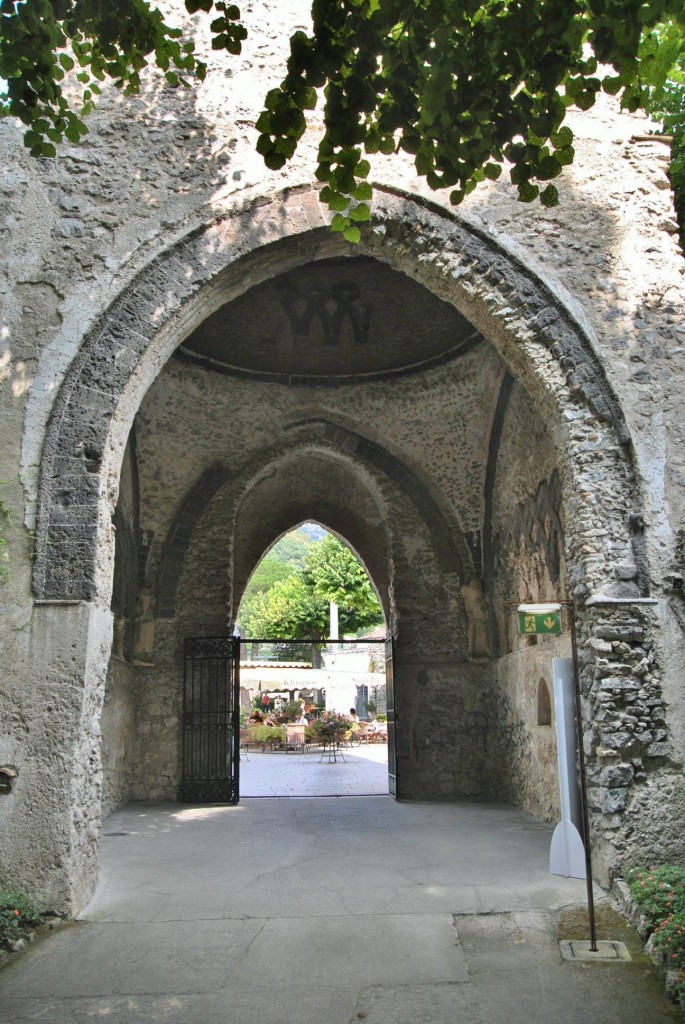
<point>544,703</point>
<point>334,442</point>
<point>547,354</point>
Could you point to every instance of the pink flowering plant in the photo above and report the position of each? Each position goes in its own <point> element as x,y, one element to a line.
<point>330,724</point>
<point>659,894</point>
<point>669,937</point>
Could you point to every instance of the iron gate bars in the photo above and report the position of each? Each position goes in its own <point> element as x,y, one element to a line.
<point>211,720</point>
<point>392,717</point>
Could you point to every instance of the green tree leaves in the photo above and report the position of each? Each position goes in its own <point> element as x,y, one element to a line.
<point>297,606</point>
<point>335,574</point>
<point>466,87</point>
<point>289,609</point>
<point>462,86</point>
<point>108,41</point>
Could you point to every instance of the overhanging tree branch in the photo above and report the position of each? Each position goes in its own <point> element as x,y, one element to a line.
<point>466,87</point>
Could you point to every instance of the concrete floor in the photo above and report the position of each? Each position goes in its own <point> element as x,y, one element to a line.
<point>328,910</point>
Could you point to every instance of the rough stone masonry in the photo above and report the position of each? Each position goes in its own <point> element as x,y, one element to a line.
<point>485,404</point>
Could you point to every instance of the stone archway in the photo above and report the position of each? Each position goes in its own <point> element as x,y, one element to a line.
<point>227,521</point>
<point>329,439</point>
<point>545,348</point>
<point>545,360</point>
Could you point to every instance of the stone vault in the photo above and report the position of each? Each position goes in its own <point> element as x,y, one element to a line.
<point>428,398</point>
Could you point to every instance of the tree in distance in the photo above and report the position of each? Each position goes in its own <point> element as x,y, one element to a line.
<point>464,86</point>
<point>285,558</point>
<point>298,606</point>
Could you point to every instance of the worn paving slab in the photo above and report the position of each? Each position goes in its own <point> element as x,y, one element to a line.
<point>516,976</point>
<point>324,911</point>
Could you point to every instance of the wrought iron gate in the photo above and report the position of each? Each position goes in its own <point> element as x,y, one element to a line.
<point>211,720</point>
<point>390,699</point>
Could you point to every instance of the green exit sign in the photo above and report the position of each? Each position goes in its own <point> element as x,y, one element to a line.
<point>533,623</point>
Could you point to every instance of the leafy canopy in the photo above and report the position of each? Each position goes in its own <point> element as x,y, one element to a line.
<point>269,571</point>
<point>284,559</point>
<point>108,39</point>
<point>289,610</point>
<point>334,574</point>
<point>297,607</point>
<point>662,56</point>
<point>464,86</point>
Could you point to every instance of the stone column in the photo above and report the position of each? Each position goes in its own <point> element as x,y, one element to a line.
<point>54,812</point>
<point>635,808</point>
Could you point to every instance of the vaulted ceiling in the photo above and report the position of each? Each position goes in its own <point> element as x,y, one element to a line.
<point>328,322</point>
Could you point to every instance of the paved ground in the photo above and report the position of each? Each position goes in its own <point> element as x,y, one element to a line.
<point>321,910</point>
<point>363,772</point>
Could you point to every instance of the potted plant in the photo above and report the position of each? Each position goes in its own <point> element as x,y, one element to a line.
<point>292,711</point>
<point>331,727</point>
<point>268,736</point>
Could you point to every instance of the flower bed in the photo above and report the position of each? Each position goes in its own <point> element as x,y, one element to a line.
<point>657,910</point>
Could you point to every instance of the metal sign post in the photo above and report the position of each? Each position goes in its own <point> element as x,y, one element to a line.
<point>583,784</point>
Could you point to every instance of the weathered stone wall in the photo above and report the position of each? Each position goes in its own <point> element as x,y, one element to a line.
<point>525,757</point>
<point>445,740</point>
<point>51,734</point>
<point>155,771</point>
<point>115,252</point>
<point>527,529</point>
<point>120,729</point>
<point>626,733</point>
<point>525,563</point>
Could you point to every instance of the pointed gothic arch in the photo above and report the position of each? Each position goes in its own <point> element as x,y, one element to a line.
<point>542,344</point>
<point>548,360</point>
